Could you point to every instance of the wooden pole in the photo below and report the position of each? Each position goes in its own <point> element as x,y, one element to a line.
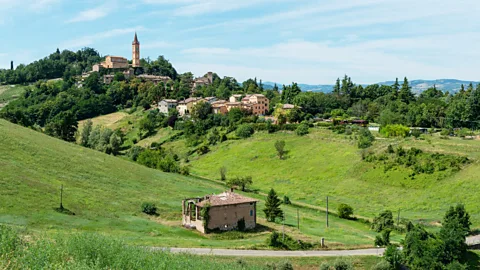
<point>61,197</point>
<point>327,211</point>
<point>298,220</point>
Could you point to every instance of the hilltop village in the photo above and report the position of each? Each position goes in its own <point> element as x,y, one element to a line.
<point>256,104</point>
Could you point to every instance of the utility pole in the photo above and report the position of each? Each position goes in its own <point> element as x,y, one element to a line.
<point>61,197</point>
<point>298,220</point>
<point>283,228</point>
<point>327,211</point>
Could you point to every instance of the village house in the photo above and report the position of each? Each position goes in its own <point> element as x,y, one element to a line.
<point>155,79</point>
<point>236,98</point>
<point>225,211</point>
<point>185,106</point>
<point>231,105</point>
<point>219,107</point>
<point>210,100</point>
<point>165,105</point>
<point>258,103</point>
<point>115,62</point>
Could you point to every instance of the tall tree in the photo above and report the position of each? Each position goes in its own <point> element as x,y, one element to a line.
<point>272,206</point>
<point>405,94</point>
<point>87,129</point>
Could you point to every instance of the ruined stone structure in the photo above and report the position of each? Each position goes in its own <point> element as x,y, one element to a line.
<point>225,211</point>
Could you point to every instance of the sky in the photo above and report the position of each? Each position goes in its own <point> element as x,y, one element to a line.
<point>284,41</point>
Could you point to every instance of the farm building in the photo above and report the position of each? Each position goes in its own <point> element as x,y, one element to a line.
<point>225,211</point>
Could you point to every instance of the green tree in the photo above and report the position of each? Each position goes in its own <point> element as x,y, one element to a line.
<point>458,213</point>
<point>244,131</point>
<point>280,147</point>
<point>63,126</point>
<point>119,77</point>
<point>242,182</point>
<point>272,206</point>
<point>302,129</point>
<point>115,144</point>
<point>405,94</point>
<point>345,211</point>
<point>201,110</point>
<point>87,129</point>
<point>383,221</point>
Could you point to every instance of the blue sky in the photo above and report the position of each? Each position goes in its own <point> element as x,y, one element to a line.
<point>304,41</point>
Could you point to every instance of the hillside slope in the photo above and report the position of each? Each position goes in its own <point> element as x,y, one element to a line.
<point>103,191</point>
<point>106,192</point>
<point>324,164</point>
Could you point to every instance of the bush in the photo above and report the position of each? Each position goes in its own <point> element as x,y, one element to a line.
<point>339,264</point>
<point>9,241</point>
<point>286,200</point>
<point>382,265</point>
<point>149,208</point>
<point>383,240</point>
<point>395,131</point>
<point>383,221</point>
<point>244,131</point>
<point>345,211</point>
<point>302,130</point>
<point>223,173</point>
<point>366,138</point>
<point>202,150</point>
<point>285,266</point>
<point>393,256</point>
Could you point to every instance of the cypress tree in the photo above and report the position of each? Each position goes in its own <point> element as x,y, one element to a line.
<point>272,206</point>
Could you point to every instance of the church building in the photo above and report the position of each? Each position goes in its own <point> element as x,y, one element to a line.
<point>135,52</point>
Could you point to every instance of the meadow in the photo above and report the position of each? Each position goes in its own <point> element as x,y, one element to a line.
<point>325,164</point>
<point>10,92</point>
<point>105,193</point>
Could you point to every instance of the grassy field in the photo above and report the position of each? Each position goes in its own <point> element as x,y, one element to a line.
<point>9,93</point>
<point>324,164</point>
<point>106,192</point>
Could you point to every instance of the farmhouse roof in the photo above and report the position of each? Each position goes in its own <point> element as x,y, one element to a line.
<point>226,198</point>
<point>170,100</point>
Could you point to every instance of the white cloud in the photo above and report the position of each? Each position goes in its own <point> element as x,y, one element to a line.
<point>92,39</point>
<point>91,14</point>
<point>200,7</point>
<point>322,62</point>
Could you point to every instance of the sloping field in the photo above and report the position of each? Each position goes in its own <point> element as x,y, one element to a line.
<point>106,192</point>
<point>324,164</point>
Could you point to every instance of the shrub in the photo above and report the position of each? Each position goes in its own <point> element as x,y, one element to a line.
<point>286,200</point>
<point>416,133</point>
<point>241,225</point>
<point>149,208</point>
<point>202,150</point>
<point>383,240</point>
<point>223,173</point>
<point>302,130</point>
<point>390,149</point>
<point>345,211</point>
<point>366,138</point>
<point>395,131</point>
<point>339,264</point>
<point>9,241</point>
<point>383,221</point>
<point>382,265</point>
<point>280,147</point>
<point>393,256</point>
<point>244,131</point>
<point>285,266</point>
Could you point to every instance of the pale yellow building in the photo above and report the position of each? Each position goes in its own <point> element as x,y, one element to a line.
<point>115,62</point>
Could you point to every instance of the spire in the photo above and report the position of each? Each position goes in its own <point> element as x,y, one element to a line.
<point>135,39</point>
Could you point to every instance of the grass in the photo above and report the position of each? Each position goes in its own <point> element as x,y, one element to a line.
<point>324,164</point>
<point>10,92</point>
<point>106,192</point>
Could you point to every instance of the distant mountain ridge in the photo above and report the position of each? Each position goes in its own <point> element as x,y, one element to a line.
<point>418,86</point>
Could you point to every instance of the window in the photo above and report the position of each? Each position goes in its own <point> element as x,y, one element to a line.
<point>251,213</point>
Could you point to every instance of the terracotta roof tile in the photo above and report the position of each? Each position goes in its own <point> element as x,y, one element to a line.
<point>226,198</point>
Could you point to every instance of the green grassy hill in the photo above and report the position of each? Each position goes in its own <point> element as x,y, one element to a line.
<point>323,163</point>
<point>106,192</point>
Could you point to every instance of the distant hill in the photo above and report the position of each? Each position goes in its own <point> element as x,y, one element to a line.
<point>418,86</point>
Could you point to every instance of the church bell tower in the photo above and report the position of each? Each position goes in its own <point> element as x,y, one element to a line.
<point>135,52</point>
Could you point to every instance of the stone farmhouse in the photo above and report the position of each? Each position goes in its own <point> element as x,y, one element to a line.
<point>225,211</point>
<point>201,81</point>
<point>185,106</point>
